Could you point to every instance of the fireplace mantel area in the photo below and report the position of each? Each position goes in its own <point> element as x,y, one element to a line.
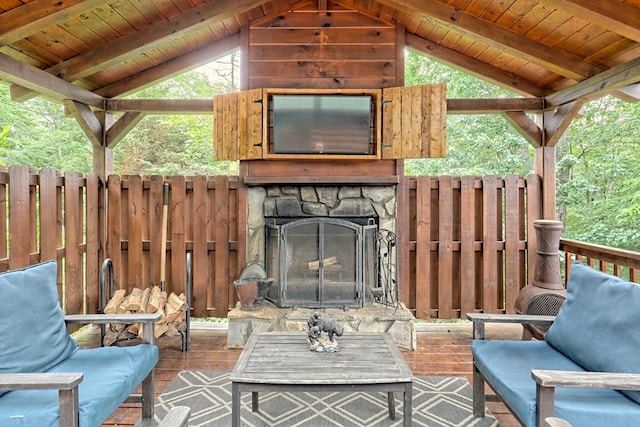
<point>320,170</point>
<point>325,231</point>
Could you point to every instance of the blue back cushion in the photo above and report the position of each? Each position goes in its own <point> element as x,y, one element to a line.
<point>598,326</point>
<point>33,334</point>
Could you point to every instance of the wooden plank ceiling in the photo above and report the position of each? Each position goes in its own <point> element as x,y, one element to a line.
<point>109,49</point>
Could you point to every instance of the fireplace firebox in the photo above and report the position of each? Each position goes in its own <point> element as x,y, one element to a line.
<point>322,262</point>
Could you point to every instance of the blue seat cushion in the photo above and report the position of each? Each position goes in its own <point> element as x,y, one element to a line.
<point>110,375</point>
<point>33,333</point>
<point>597,326</point>
<point>507,366</point>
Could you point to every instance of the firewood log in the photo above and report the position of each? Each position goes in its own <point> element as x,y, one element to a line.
<point>155,300</point>
<point>134,303</point>
<point>176,302</point>
<point>115,301</point>
<point>145,299</point>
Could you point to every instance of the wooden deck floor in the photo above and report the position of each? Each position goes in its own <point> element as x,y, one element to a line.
<point>443,349</point>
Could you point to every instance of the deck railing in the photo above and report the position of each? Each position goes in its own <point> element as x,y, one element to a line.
<point>619,262</point>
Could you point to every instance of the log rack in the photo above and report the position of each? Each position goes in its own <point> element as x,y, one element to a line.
<point>107,273</point>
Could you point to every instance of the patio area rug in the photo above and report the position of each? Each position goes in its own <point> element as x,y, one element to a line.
<point>437,401</point>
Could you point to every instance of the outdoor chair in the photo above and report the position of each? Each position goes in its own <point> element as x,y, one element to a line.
<point>45,378</point>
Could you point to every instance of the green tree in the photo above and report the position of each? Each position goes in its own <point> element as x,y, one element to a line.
<point>478,144</point>
<point>37,134</point>
<point>174,144</point>
<point>598,179</point>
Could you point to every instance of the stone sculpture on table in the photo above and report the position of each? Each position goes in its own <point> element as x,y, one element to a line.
<point>323,331</point>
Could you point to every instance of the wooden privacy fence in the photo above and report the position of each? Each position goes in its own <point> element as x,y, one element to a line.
<point>45,216</point>
<point>202,219</point>
<point>466,249</point>
<point>468,242</point>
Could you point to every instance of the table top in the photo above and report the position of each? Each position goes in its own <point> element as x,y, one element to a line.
<point>285,358</point>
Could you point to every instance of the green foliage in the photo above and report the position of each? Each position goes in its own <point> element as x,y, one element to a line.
<point>37,134</point>
<point>177,144</point>
<point>598,179</point>
<point>476,145</point>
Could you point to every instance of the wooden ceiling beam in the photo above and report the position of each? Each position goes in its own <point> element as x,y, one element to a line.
<point>20,73</point>
<point>150,37</point>
<point>33,17</point>
<point>161,106</point>
<point>525,126</point>
<point>594,87</point>
<point>493,105</point>
<point>205,106</point>
<point>474,67</point>
<point>172,68</point>
<point>87,120</point>
<point>121,128</point>
<point>562,63</point>
<point>557,122</point>
<point>617,17</point>
<point>629,93</point>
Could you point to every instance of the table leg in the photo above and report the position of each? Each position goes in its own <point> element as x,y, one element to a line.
<point>254,401</point>
<point>392,405</point>
<point>235,405</point>
<point>408,409</point>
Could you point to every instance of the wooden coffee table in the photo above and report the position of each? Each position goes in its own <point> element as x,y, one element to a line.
<point>282,362</point>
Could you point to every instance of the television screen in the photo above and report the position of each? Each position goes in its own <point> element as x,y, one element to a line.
<point>322,124</point>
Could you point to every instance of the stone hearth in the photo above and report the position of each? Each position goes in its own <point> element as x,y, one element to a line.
<point>396,321</point>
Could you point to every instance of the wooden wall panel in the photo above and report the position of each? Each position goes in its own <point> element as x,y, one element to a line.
<point>336,48</point>
<point>237,125</point>
<point>414,121</point>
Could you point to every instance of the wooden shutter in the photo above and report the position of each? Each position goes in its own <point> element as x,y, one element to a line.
<point>414,121</point>
<point>237,125</point>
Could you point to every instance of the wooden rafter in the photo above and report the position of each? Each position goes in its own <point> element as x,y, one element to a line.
<point>596,86</point>
<point>474,67</point>
<point>172,68</point>
<point>148,38</point>
<point>14,71</point>
<point>563,63</point>
<point>620,18</point>
<point>37,15</point>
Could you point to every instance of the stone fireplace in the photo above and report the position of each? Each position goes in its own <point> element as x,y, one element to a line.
<point>327,247</point>
<point>322,262</point>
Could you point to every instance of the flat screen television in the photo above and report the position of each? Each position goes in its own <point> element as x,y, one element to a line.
<point>322,124</point>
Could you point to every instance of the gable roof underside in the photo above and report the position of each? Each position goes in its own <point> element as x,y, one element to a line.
<point>91,50</point>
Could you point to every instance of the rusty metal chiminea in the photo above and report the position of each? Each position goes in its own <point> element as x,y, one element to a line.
<point>547,293</point>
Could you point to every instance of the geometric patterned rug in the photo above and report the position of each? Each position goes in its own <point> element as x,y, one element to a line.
<point>437,401</point>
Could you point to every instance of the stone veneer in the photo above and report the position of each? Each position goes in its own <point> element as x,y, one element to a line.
<point>396,321</point>
<point>343,201</point>
<point>313,201</point>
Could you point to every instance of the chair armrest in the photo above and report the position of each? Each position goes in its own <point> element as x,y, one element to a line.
<point>480,319</point>
<point>612,380</point>
<point>40,381</point>
<point>147,321</point>
<point>177,416</point>
<point>547,381</point>
<point>113,318</point>
<point>66,383</point>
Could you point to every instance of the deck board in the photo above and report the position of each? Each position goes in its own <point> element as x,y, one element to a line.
<point>443,349</point>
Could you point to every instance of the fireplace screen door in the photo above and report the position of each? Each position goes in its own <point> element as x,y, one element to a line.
<point>320,262</point>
